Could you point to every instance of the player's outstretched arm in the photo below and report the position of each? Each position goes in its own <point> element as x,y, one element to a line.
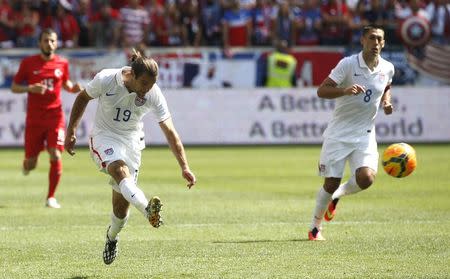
<point>37,88</point>
<point>329,90</point>
<point>177,148</point>
<point>71,87</point>
<point>386,101</point>
<point>78,109</point>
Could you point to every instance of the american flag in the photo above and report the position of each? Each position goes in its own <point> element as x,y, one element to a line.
<point>432,60</point>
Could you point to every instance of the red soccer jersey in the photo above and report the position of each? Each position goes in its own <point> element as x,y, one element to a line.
<point>52,73</point>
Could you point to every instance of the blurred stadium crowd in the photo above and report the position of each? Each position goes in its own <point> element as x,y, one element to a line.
<point>227,23</point>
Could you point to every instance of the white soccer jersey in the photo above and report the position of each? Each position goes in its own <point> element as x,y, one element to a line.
<point>119,112</point>
<point>354,115</point>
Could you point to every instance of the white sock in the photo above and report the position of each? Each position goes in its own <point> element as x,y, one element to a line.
<point>133,194</point>
<point>323,198</point>
<point>347,188</point>
<point>116,225</point>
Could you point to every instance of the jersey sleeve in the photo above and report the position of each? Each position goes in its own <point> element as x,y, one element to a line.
<point>94,88</point>
<point>339,72</point>
<point>21,74</point>
<point>391,73</point>
<point>160,107</point>
<point>66,75</point>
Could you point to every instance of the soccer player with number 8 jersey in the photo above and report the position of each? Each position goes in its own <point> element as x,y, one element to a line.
<point>359,83</point>
<point>42,76</point>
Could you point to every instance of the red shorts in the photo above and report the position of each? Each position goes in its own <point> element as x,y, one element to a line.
<point>39,136</point>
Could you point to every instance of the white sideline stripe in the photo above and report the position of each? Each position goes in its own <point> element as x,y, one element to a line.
<point>13,228</point>
<point>308,223</point>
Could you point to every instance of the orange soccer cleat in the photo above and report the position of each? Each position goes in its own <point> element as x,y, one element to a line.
<point>331,210</point>
<point>315,235</point>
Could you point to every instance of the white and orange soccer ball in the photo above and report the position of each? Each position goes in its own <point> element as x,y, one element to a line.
<point>399,160</point>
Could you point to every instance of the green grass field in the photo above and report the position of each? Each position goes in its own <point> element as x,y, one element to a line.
<point>247,217</point>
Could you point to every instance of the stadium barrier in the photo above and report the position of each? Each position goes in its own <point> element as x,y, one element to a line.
<point>241,68</point>
<point>258,116</point>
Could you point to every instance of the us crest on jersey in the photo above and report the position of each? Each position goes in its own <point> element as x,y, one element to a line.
<point>109,151</point>
<point>322,168</point>
<point>139,101</point>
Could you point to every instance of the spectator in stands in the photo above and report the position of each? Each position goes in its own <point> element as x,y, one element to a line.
<point>390,22</point>
<point>64,23</point>
<point>27,25</point>
<point>438,13</point>
<point>281,67</point>
<point>262,17</point>
<point>190,19</point>
<point>335,23</point>
<point>284,23</point>
<point>410,8</point>
<point>35,4</point>
<point>105,27</point>
<point>134,24</point>
<point>156,13</point>
<point>168,28</point>
<point>374,12</point>
<point>237,26</point>
<point>308,24</point>
<point>117,4</point>
<point>357,22</point>
<point>6,25</point>
<point>83,16</point>
<point>351,4</point>
<point>247,4</point>
<point>210,18</point>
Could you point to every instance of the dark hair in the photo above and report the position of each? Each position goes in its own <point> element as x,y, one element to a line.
<point>141,64</point>
<point>369,27</point>
<point>47,31</point>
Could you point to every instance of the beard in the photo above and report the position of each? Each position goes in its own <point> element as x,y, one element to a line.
<point>47,53</point>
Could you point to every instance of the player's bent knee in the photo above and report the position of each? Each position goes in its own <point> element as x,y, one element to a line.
<point>365,181</point>
<point>118,170</point>
<point>331,184</point>
<point>29,164</point>
<point>54,154</point>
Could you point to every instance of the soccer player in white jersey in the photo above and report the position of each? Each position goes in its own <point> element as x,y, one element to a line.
<point>359,83</point>
<point>124,96</point>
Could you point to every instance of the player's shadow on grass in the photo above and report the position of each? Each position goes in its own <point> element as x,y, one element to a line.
<point>260,241</point>
<point>79,277</point>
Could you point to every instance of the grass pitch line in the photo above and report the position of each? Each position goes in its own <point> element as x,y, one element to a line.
<point>22,228</point>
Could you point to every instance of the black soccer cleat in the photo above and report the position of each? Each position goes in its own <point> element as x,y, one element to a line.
<point>111,250</point>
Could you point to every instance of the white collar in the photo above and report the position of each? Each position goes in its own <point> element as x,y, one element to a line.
<point>362,63</point>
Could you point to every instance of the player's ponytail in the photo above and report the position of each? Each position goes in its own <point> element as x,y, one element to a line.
<point>141,64</point>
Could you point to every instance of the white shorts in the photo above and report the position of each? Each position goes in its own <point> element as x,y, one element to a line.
<point>335,153</point>
<point>105,150</point>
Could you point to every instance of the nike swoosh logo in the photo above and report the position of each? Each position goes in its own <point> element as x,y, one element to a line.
<point>357,75</point>
<point>133,195</point>
<point>36,72</point>
<point>110,94</point>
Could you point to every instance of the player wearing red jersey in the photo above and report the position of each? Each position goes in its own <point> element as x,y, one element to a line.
<point>42,76</point>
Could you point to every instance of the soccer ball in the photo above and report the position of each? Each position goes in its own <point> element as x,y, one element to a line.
<point>399,160</point>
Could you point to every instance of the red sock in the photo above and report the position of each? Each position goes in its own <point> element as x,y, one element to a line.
<point>54,176</point>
